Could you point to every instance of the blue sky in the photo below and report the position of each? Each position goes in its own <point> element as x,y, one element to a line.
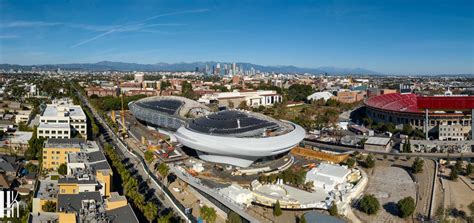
<point>393,37</point>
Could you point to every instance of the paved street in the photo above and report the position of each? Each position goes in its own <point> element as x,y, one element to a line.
<point>425,155</point>
<point>425,188</point>
<point>114,140</point>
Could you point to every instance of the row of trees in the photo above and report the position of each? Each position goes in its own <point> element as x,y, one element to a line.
<point>291,176</point>
<point>35,147</point>
<point>457,169</point>
<point>407,129</point>
<point>109,103</point>
<point>130,185</point>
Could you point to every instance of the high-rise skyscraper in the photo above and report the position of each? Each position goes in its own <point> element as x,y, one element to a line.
<point>218,69</point>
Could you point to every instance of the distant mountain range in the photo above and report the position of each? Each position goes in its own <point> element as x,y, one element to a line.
<point>121,66</point>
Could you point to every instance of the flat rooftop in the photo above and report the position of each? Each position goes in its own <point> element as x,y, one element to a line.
<point>73,202</point>
<point>332,170</point>
<point>47,189</point>
<point>64,143</point>
<point>378,141</point>
<point>63,126</point>
<point>73,111</point>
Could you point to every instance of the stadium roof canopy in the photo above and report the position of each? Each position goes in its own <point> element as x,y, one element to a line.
<point>412,103</point>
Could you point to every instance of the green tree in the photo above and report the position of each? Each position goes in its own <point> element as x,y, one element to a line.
<point>299,92</point>
<point>188,92</point>
<point>407,146</point>
<point>62,169</point>
<point>417,166</point>
<point>163,169</point>
<point>454,173</point>
<point>406,206</point>
<point>333,209</point>
<point>233,217</point>
<point>369,204</point>
<point>332,103</point>
<point>164,85</point>
<point>22,126</point>
<point>35,146</point>
<point>368,121</point>
<point>407,129</point>
<point>166,218</point>
<point>277,209</point>
<point>243,105</point>
<point>208,214</point>
<point>471,208</point>
<point>350,162</point>
<point>369,161</point>
<point>31,168</point>
<point>469,169</point>
<point>49,206</point>
<point>302,219</point>
<point>149,156</point>
<point>151,211</point>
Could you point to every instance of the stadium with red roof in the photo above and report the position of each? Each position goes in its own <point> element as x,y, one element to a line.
<point>448,116</point>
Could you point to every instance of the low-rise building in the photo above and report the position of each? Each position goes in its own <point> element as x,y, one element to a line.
<point>453,132</point>
<point>22,116</point>
<point>238,194</point>
<point>378,144</point>
<point>83,195</point>
<point>350,96</point>
<point>18,141</point>
<point>327,176</point>
<point>320,95</point>
<point>251,98</point>
<point>55,151</point>
<point>101,91</point>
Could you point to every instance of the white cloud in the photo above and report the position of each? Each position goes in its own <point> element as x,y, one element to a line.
<point>8,36</point>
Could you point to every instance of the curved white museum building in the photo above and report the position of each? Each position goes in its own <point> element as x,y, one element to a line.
<point>239,137</point>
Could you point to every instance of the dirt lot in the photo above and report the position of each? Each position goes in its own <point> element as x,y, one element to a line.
<point>389,184</point>
<point>457,194</point>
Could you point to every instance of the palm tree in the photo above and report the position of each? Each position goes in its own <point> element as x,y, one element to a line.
<point>151,211</point>
<point>208,214</point>
<point>163,169</point>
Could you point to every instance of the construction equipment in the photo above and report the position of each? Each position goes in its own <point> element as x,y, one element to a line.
<point>112,116</point>
<point>122,116</point>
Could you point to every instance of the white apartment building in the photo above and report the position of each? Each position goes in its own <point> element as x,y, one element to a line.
<point>61,120</point>
<point>252,98</point>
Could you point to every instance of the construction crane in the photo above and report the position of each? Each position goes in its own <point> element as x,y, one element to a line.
<point>122,114</point>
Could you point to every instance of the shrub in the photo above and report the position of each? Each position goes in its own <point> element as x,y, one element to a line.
<point>369,204</point>
<point>406,206</point>
<point>277,209</point>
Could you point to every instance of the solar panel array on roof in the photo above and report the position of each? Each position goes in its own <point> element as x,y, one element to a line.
<point>228,122</point>
<point>165,106</point>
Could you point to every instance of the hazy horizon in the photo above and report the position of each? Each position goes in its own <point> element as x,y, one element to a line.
<point>389,37</point>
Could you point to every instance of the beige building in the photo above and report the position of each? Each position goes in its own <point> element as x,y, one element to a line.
<point>350,96</point>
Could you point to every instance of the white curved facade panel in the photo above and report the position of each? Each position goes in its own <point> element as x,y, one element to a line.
<point>238,151</point>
